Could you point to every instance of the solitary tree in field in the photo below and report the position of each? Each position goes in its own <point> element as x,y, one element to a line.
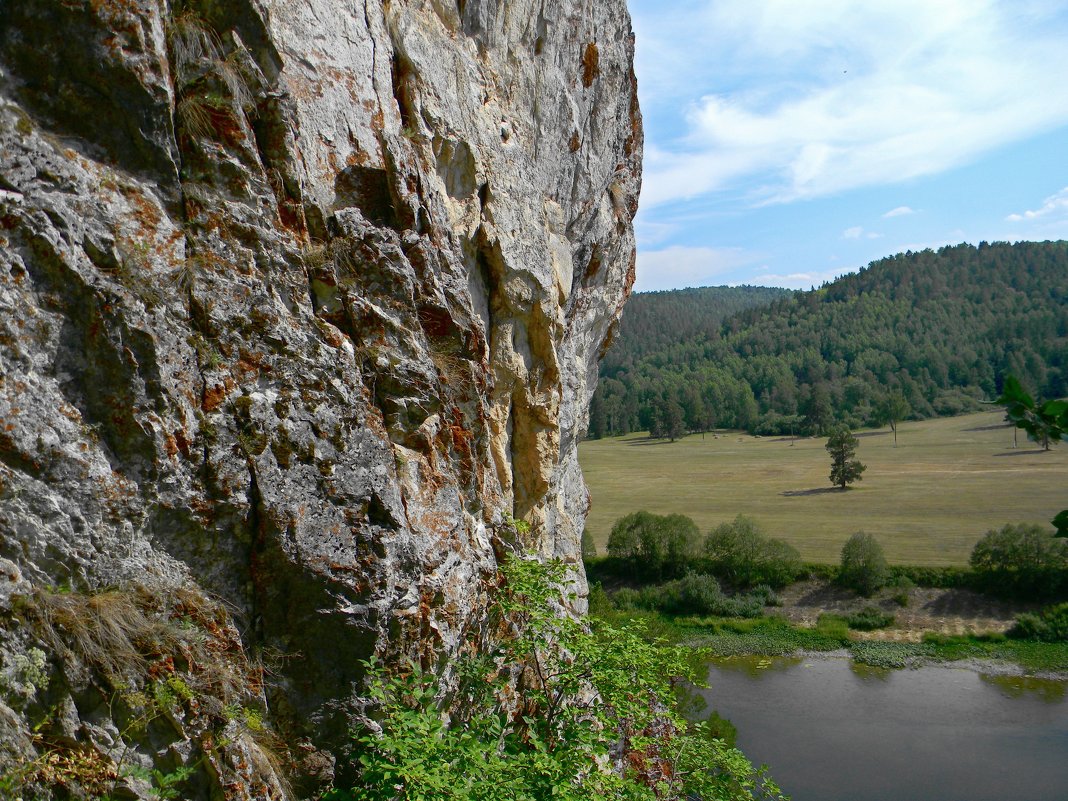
<point>1044,423</point>
<point>893,409</point>
<point>842,445</point>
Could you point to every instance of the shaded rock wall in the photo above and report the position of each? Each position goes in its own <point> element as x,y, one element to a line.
<point>300,304</point>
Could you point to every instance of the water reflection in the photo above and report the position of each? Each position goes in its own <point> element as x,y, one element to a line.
<point>1049,690</point>
<point>755,666</point>
<point>870,672</point>
<point>832,730</point>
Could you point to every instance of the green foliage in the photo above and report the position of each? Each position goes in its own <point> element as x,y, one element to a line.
<point>693,594</point>
<point>1022,560</point>
<point>833,626</point>
<point>1044,423</point>
<point>891,654</point>
<point>892,409</point>
<point>654,545</point>
<point>767,636</point>
<point>588,546</point>
<point>893,327</point>
<point>946,578</point>
<point>1060,523</point>
<point>25,676</point>
<point>842,446</point>
<point>870,618</point>
<point>740,553</point>
<point>1030,654</point>
<point>1049,625</point>
<point>863,565</point>
<point>591,717</point>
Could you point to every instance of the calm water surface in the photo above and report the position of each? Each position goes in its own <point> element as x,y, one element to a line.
<point>834,731</point>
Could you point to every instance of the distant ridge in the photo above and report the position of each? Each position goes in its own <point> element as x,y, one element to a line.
<point>942,327</point>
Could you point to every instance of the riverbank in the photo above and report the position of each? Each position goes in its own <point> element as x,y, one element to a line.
<point>926,610</point>
<point>773,636</point>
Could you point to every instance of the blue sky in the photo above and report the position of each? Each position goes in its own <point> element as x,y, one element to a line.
<point>790,141</point>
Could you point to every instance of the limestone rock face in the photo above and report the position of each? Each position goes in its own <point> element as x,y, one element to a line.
<point>300,308</point>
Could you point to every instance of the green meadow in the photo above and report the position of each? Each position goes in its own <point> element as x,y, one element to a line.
<point>928,500</point>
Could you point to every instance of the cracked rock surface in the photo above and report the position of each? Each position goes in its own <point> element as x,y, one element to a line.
<point>300,307</point>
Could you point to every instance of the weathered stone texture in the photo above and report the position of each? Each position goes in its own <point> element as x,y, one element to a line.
<point>300,302</point>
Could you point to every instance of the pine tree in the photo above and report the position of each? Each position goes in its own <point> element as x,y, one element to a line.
<point>845,469</point>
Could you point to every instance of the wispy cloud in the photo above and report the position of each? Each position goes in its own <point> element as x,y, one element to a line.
<point>877,92</point>
<point>857,232</point>
<point>681,266</point>
<point>1053,205</point>
<point>900,211</point>
<point>800,280</point>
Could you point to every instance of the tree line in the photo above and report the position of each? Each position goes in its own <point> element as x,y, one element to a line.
<point>1024,561</point>
<point>918,334</point>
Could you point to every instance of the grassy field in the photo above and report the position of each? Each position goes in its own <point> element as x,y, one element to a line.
<point>927,501</point>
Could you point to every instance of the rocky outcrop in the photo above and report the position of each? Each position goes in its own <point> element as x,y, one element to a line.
<point>300,308</point>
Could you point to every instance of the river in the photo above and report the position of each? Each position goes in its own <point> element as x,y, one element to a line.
<point>834,731</point>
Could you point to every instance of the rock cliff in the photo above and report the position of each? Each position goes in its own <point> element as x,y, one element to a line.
<point>300,308</point>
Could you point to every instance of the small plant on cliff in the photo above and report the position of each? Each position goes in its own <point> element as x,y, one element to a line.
<point>561,709</point>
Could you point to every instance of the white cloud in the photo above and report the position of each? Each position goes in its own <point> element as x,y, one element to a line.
<point>802,280</point>
<point>856,232</point>
<point>844,95</point>
<point>681,266</point>
<point>900,211</point>
<point>1052,205</point>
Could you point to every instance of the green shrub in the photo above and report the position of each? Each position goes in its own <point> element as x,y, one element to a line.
<point>654,545</point>
<point>1024,560</point>
<point>863,565</point>
<point>693,594</point>
<point>739,552</point>
<point>943,578</point>
<point>870,618</point>
<point>1049,625</point>
<point>473,747</point>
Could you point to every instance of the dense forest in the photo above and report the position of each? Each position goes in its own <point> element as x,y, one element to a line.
<point>913,335</point>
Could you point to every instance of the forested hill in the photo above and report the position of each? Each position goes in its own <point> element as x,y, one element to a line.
<point>656,321</point>
<point>941,328</point>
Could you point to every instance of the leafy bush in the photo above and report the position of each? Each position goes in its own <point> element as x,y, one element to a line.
<point>596,717</point>
<point>944,578</point>
<point>654,545</point>
<point>1049,625</point>
<point>870,618</point>
<point>739,552</point>
<point>863,564</point>
<point>1022,560</point>
<point>693,594</point>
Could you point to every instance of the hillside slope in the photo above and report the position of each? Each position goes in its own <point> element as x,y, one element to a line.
<point>941,327</point>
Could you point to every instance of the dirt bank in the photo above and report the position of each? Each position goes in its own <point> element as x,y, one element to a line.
<point>956,611</point>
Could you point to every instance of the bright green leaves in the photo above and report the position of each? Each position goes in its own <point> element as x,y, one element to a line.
<point>563,709</point>
<point>1044,423</point>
